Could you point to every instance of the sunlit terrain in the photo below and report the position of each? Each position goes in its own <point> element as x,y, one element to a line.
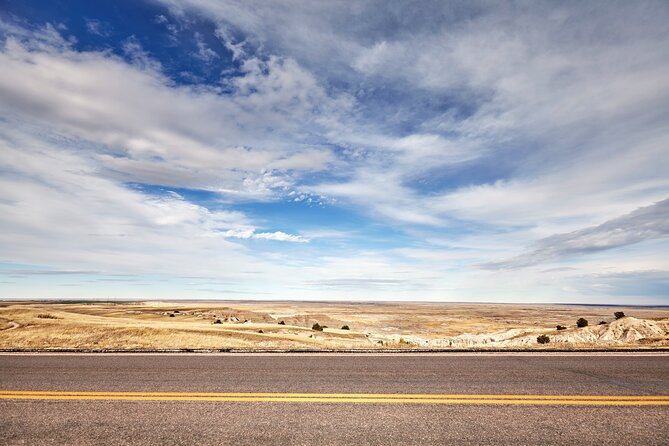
<point>290,325</point>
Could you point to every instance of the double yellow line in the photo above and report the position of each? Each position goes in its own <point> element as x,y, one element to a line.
<point>385,398</point>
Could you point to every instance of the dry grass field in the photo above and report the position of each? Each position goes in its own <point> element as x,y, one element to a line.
<point>288,325</point>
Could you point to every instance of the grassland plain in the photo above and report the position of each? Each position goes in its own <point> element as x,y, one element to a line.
<point>182,325</point>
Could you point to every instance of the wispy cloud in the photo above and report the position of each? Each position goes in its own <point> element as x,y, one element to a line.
<point>204,53</point>
<point>44,272</point>
<point>647,223</point>
<point>98,27</point>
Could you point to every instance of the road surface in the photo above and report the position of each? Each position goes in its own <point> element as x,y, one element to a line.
<point>289,399</point>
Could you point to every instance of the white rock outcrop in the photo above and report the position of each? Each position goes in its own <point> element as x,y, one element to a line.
<point>627,330</point>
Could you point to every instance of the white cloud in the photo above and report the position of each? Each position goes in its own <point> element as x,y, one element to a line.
<point>204,53</point>
<point>150,131</point>
<point>57,211</point>
<point>237,49</point>
<point>139,57</point>
<point>250,233</point>
<point>575,102</point>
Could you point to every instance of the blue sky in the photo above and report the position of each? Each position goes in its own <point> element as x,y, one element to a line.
<point>325,150</point>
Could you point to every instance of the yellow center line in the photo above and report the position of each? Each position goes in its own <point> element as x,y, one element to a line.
<point>618,400</point>
<point>332,395</point>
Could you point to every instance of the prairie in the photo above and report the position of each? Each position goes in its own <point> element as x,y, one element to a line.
<point>288,325</point>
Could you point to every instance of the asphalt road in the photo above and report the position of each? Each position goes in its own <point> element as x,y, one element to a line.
<point>329,399</point>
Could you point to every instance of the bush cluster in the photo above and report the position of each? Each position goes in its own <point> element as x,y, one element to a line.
<point>561,327</point>
<point>317,327</point>
<point>345,327</point>
<point>543,339</point>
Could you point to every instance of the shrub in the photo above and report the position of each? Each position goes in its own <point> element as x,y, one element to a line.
<point>345,327</point>
<point>619,314</point>
<point>543,339</point>
<point>602,322</point>
<point>171,314</point>
<point>581,322</point>
<point>46,316</point>
<point>217,321</point>
<point>260,331</point>
<point>317,327</point>
<point>282,323</point>
<point>561,327</point>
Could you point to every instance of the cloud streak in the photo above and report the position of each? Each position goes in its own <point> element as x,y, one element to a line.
<point>647,223</point>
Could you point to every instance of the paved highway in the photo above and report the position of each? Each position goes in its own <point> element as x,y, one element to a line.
<point>334,399</point>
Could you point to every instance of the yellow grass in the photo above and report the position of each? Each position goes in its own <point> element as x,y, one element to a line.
<point>148,325</point>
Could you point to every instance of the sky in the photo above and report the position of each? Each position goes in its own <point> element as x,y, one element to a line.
<point>335,150</point>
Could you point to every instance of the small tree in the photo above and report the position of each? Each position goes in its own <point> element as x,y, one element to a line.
<point>317,327</point>
<point>561,327</point>
<point>619,314</point>
<point>345,327</point>
<point>581,322</point>
<point>543,339</point>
